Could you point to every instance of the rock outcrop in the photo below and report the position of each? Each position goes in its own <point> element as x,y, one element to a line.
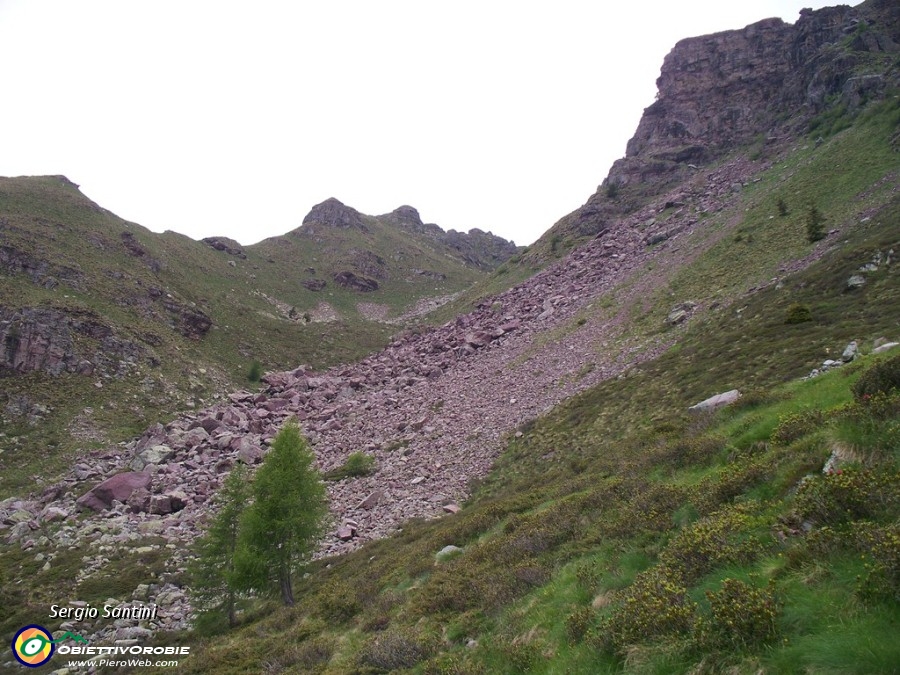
<point>758,85</point>
<point>347,279</point>
<point>718,92</point>
<point>54,341</point>
<point>332,213</point>
<point>226,245</point>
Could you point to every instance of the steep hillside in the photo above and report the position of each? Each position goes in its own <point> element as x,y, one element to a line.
<point>107,327</point>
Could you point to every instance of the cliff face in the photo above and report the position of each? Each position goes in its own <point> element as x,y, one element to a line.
<point>723,91</point>
<point>759,86</point>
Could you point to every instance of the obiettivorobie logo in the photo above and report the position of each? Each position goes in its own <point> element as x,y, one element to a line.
<point>33,645</point>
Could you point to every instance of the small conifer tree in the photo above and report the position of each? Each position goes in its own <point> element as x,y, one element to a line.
<point>782,207</point>
<point>213,573</point>
<point>281,528</point>
<point>815,224</point>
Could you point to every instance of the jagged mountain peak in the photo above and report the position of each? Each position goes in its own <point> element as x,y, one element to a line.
<point>408,214</point>
<point>334,213</point>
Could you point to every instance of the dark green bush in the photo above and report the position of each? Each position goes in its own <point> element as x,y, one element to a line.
<point>849,494</point>
<point>881,378</point>
<point>815,224</point>
<point>798,313</point>
<point>782,207</point>
<point>357,464</point>
<point>255,372</point>
<point>741,617</point>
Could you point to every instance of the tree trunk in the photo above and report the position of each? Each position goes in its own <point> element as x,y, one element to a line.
<point>287,593</point>
<point>229,602</point>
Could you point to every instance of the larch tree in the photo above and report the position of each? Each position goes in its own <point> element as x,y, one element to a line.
<point>281,528</point>
<point>214,575</point>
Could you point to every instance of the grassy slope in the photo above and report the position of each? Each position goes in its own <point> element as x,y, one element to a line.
<point>288,257</point>
<point>620,479</point>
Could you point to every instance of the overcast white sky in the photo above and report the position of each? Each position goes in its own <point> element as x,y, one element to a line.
<point>214,117</point>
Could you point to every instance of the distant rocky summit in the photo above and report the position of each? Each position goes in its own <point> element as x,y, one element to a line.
<point>333,213</point>
<point>721,91</point>
<point>757,86</point>
<point>476,248</point>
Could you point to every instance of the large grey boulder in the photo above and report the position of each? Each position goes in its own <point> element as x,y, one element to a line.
<point>156,454</point>
<point>717,401</point>
<point>856,281</point>
<point>851,351</point>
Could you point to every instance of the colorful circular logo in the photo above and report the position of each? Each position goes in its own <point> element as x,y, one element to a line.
<point>33,646</point>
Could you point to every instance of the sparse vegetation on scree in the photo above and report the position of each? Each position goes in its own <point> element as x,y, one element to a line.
<point>620,533</point>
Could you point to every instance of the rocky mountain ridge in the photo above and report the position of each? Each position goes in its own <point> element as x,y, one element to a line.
<point>476,248</point>
<point>757,87</point>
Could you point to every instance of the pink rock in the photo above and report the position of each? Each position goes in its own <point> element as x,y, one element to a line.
<point>372,500</point>
<point>52,513</point>
<point>345,533</point>
<point>118,487</point>
<point>451,508</point>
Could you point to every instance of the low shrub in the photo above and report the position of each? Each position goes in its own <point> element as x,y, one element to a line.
<point>782,207</point>
<point>881,378</point>
<point>656,605</point>
<point>338,602</point>
<point>881,548</point>
<point>721,538</point>
<point>578,623</point>
<point>741,617</point>
<point>797,425</point>
<point>357,464</point>
<point>689,450</point>
<point>848,494</point>
<point>733,480</point>
<point>877,545</point>
<point>798,313</point>
<point>397,648</point>
<point>521,654</point>
<point>452,663</point>
<point>314,653</point>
